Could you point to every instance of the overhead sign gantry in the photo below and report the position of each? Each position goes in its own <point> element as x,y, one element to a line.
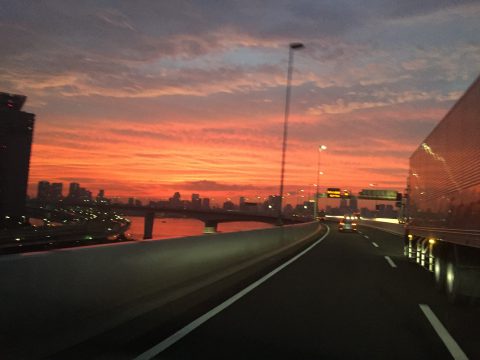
<point>376,194</point>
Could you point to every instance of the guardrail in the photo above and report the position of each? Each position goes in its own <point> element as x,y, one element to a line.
<point>52,300</point>
<point>390,226</point>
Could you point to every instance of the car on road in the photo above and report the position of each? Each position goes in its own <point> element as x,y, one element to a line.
<point>347,223</point>
<point>321,215</point>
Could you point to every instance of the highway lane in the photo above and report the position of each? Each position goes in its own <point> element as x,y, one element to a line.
<point>341,300</point>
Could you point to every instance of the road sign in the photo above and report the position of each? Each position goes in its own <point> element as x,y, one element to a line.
<point>337,193</point>
<point>375,194</point>
<point>334,193</point>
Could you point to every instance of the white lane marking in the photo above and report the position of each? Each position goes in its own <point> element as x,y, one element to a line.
<point>360,232</point>
<point>444,335</point>
<point>164,344</point>
<point>375,244</point>
<point>366,237</point>
<point>385,230</point>
<point>390,261</point>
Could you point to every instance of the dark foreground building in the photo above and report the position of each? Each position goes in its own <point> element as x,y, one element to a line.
<point>16,130</point>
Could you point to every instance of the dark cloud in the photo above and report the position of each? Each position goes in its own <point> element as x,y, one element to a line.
<point>406,8</point>
<point>78,180</point>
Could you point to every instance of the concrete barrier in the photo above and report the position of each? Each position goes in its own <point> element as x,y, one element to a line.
<point>390,227</point>
<point>52,300</point>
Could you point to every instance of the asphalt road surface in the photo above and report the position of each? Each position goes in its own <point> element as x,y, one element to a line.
<point>341,300</point>
<point>351,296</point>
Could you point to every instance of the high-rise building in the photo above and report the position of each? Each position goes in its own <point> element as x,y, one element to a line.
<point>73,191</point>
<point>43,191</point>
<point>196,201</point>
<point>101,197</point>
<point>205,203</point>
<point>84,194</point>
<point>56,190</point>
<point>353,203</point>
<point>16,133</point>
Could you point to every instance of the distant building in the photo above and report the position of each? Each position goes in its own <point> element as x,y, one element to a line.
<point>272,204</point>
<point>16,132</point>
<point>43,191</point>
<point>175,200</point>
<point>288,210</point>
<point>56,192</point>
<point>353,205</point>
<point>241,204</point>
<point>101,199</point>
<point>73,191</point>
<point>206,203</point>
<point>305,209</point>
<point>47,192</point>
<point>84,195</point>
<point>249,207</point>
<point>366,213</point>
<point>196,201</point>
<point>228,205</point>
<point>162,203</point>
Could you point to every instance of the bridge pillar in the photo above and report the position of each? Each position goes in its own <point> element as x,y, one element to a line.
<point>148,225</point>
<point>210,227</point>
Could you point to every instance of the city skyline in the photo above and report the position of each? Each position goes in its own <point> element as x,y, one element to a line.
<point>50,192</point>
<point>154,99</point>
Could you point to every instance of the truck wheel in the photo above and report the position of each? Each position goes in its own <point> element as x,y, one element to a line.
<point>439,273</point>
<point>453,283</point>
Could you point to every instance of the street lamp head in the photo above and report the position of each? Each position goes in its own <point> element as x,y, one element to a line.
<point>322,147</point>
<point>296,46</point>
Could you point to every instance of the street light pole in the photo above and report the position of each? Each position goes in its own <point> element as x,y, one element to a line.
<point>373,186</point>
<point>320,149</point>
<point>292,47</point>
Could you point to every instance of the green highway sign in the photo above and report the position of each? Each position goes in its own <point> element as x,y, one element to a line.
<point>375,194</point>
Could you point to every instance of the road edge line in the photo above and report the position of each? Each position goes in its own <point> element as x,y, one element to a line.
<point>172,339</point>
<point>443,333</point>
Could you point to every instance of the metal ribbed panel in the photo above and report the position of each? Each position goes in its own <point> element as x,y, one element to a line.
<point>445,169</point>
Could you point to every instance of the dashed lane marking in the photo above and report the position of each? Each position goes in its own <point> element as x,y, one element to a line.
<point>374,244</point>
<point>390,261</point>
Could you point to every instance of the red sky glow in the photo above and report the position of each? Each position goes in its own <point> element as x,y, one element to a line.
<point>145,99</point>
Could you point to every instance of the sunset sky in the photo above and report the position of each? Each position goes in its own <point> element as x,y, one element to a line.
<point>144,98</point>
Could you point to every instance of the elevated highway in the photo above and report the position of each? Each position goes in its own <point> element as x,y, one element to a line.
<point>330,296</point>
<point>211,218</point>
